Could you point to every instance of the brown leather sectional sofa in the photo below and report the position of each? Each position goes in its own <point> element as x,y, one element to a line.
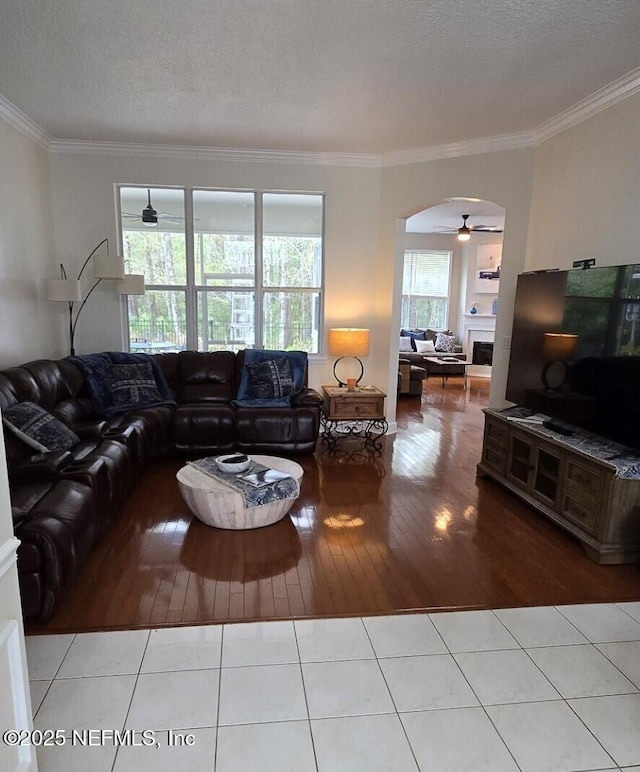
<point>63,502</point>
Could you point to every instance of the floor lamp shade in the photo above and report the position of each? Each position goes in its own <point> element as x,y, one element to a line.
<point>348,342</point>
<point>108,267</point>
<point>132,284</point>
<point>64,290</point>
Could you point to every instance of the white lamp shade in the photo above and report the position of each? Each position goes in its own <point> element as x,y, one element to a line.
<point>67,290</point>
<point>108,267</point>
<point>348,342</point>
<point>132,284</point>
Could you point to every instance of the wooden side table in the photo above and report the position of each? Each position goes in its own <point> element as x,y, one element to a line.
<point>358,414</point>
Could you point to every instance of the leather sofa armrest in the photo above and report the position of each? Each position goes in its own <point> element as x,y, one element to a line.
<point>42,466</point>
<point>93,474</point>
<point>306,398</point>
<point>457,349</point>
<point>124,434</point>
<point>89,431</point>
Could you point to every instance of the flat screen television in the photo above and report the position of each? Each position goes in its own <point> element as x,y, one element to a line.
<point>597,380</point>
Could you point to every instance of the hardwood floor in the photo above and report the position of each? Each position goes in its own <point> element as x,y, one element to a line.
<point>410,529</point>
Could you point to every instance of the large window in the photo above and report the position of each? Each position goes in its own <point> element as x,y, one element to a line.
<point>225,270</point>
<point>425,289</point>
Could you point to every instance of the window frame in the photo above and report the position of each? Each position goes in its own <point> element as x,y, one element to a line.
<point>191,290</point>
<point>404,322</point>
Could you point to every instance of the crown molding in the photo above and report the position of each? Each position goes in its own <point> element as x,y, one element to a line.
<point>595,103</point>
<point>458,149</point>
<point>15,117</point>
<point>184,152</point>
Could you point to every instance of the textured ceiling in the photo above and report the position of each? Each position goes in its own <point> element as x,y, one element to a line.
<point>355,76</point>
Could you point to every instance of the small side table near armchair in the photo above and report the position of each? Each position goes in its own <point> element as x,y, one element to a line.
<point>358,414</point>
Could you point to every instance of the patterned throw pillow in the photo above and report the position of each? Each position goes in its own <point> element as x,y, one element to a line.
<point>39,429</point>
<point>271,379</point>
<point>133,385</point>
<point>445,343</point>
<point>405,344</point>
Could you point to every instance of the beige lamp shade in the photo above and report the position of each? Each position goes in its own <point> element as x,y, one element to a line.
<point>108,267</point>
<point>348,342</point>
<point>132,284</point>
<point>65,290</point>
<point>559,346</point>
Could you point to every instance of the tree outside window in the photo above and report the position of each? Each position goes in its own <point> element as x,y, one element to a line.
<point>425,289</point>
<point>219,277</point>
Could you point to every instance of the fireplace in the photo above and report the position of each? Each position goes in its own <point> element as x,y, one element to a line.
<point>482,352</point>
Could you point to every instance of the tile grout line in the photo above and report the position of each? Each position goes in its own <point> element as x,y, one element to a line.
<point>215,753</point>
<point>133,691</point>
<point>55,675</point>
<point>480,703</point>
<point>306,700</point>
<point>393,702</point>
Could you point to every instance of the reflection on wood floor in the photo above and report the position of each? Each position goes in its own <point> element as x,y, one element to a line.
<point>411,528</point>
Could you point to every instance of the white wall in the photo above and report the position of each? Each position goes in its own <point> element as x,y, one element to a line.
<point>31,325</point>
<point>503,178</point>
<point>574,196</point>
<point>83,209</point>
<point>362,206</point>
<point>586,192</point>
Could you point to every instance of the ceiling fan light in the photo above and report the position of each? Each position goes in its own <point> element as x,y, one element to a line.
<point>149,216</point>
<point>464,234</point>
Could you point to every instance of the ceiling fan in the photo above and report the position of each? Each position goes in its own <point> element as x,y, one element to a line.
<point>465,231</point>
<point>150,216</point>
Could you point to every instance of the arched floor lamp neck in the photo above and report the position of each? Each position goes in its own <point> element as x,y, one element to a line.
<point>335,364</point>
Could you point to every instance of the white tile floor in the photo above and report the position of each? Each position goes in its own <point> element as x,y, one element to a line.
<point>533,689</point>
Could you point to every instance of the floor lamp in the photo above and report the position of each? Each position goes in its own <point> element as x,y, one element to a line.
<point>69,291</point>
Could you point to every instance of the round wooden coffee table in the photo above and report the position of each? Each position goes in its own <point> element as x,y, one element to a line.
<point>215,504</point>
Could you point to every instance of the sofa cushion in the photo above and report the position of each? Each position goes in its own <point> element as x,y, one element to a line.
<point>133,384</point>
<point>405,344</point>
<point>38,428</point>
<point>445,342</point>
<point>297,363</point>
<point>425,347</point>
<point>413,335</point>
<point>271,379</point>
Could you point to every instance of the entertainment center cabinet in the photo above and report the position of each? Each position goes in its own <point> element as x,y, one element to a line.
<point>592,491</point>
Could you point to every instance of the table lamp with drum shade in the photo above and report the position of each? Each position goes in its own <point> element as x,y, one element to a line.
<point>348,342</point>
<point>558,349</point>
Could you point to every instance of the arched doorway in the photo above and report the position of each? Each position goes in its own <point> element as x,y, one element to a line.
<point>449,255</point>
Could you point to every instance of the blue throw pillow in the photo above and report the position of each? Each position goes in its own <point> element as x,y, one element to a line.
<point>133,384</point>
<point>414,335</point>
<point>37,428</point>
<point>271,379</point>
<point>297,364</point>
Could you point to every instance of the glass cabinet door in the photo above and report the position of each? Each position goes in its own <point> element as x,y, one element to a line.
<point>520,465</point>
<point>547,475</point>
